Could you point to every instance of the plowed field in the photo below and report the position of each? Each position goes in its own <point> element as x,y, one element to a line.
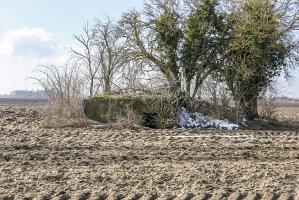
<point>87,163</point>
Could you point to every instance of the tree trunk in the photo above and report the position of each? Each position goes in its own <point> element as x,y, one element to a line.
<point>188,88</point>
<point>254,107</point>
<point>107,86</point>
<point>91,88</point>
<point>237,106</point>
<point>175,88</point>
<point>250,108</point>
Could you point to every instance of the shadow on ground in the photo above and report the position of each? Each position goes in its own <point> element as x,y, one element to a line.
<point>272,125</point>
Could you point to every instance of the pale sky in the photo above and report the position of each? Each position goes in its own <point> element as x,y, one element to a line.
<point>34,32</point>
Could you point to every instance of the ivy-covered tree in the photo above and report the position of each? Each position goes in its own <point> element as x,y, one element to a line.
<point>202,51</point>
<point>180,38</point>
<point>258,50</point>
<point>168,35</point>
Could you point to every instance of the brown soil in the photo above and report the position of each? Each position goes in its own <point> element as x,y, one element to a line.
<point>37,163</point>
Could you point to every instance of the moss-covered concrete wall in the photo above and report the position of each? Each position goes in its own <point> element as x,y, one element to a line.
<point>109,108</point>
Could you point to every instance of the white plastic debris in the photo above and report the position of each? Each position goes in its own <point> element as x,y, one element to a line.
<point>234,138</point>
<point>187,120</point>
<point>244,122</point>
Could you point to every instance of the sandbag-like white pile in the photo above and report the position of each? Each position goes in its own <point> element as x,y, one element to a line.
<point>187,120</point>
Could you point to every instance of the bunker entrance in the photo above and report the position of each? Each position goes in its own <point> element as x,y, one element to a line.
<point>151,120</point>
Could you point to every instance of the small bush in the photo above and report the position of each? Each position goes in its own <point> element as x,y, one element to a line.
<point>268,103</point>
<point>63,85</point>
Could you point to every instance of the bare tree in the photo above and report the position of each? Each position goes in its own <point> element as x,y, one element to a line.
<point>130,76</point>
<point>86,56</point>
<point>215,91</point>
<point>110,51</point>
<point>101,53</point>
<point>139,75</point>
<point>268,102</point>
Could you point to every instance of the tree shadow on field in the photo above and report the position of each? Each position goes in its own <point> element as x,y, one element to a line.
<point>273,125</point>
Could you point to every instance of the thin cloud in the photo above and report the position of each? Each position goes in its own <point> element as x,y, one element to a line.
<point>24,42</point>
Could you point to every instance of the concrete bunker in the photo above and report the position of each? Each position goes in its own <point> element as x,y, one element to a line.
<point>109,108</point>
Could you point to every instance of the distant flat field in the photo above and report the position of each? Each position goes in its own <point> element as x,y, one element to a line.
<point>22,102</point>
<point>289,111</point>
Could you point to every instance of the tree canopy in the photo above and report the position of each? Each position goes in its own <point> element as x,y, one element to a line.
<point>184,44</point>
<point>258,50</point>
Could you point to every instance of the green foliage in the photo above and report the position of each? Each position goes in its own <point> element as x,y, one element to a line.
<point>182,40</point>
<point>203,39</point>
<point>168,31</point>
<point>247,43</point>
<point>256,53</point>
<point>169,36</point>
